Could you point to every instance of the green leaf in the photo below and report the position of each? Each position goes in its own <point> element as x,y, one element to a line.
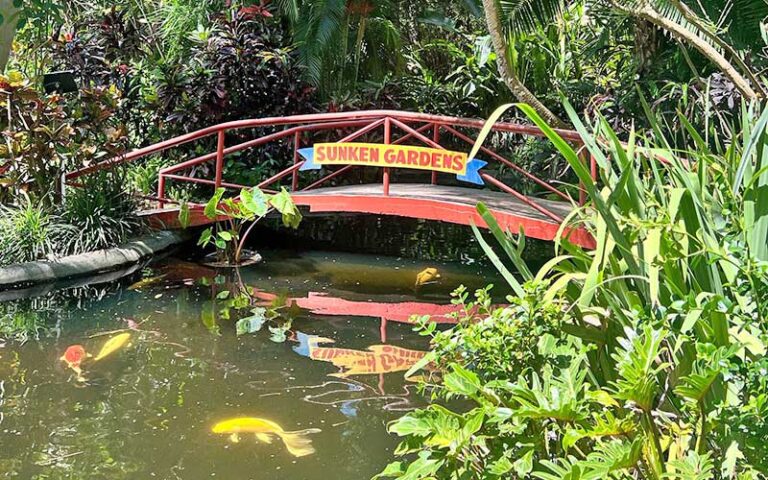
<point>511,280</point>
<point>500,467</point>
<point>393,470</point>
<point>211,208</point>
<point>205,237</point>
<point>225,235</point>
<point>283,203</point>
<point>423,468</point>
<point>184,215</point>
<point>732,457</point>
<point>514,254</point>
<point>462,381</point>
<point>251,324</point>
<point>430,357</point>
<point>410,424</point>
<point>254,201</point>
<point>524,465</point>
<point>487,128</point>
<point>746,158</point>
<point>695,386</point>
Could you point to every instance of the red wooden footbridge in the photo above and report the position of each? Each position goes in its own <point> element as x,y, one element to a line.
<point>436,196</point>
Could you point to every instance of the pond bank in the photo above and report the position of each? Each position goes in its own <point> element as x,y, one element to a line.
<point>91,263</point>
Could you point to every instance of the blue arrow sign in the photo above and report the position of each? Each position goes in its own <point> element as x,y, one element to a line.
<point>473,172</point>
<point>309,157</point>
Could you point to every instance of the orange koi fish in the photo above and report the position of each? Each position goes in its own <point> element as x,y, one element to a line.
<point>73,357</point>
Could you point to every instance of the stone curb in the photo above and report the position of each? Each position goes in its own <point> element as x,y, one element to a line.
<point>91,263</point>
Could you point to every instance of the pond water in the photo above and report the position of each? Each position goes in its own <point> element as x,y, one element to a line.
<point>331,360</point>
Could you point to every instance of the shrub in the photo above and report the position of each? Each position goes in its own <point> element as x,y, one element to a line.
<point>499,342</point>
<point>99,214</point>
<point>25,233</point>
<point>44,136</point>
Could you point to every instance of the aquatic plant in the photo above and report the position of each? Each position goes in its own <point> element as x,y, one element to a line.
<point>21,325</point>
<point>660,329</point>
<point>249,207</point>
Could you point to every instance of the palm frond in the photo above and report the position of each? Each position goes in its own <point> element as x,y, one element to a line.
<point>526,15</point>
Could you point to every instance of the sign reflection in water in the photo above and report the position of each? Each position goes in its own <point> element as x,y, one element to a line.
<point>377,359</point>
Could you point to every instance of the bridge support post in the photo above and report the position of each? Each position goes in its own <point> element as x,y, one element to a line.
<point>387,140</point>
<point>161,190</point>
<point>295,176</point>
<point>436,139</point>
<point>219,159</point>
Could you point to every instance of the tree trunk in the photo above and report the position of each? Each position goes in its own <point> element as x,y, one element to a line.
<point>10,18</point>
<point>646,12</point>
<point>697,22</point>
<point>508,75</point>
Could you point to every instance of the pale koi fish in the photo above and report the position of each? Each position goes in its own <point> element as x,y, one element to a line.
<point>146,282</point>
<point>296,442</point>
<point>426,276</point>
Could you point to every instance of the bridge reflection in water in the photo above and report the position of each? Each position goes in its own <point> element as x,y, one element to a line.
<point>378,359</point>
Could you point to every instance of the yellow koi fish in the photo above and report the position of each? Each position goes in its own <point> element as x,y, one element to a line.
<point>296,442</point>
<point>428,275</point>
<point>112,345</point>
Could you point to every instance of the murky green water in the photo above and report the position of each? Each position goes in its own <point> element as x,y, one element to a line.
<point>146,411</point>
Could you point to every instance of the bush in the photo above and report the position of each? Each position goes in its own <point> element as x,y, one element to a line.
<point>99,214</point>
<point>25,233</point>
<point>499,342</point>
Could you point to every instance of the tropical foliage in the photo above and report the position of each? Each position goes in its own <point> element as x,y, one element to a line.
<point>636,359</point>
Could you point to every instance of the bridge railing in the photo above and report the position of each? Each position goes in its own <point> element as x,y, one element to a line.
<point>429,130</point>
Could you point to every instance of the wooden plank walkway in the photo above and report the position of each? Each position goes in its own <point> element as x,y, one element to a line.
<point>425,201</point>
<point>442,203</point>
<point>459,196</point>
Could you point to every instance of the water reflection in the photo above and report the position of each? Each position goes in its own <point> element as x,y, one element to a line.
<point>323,303</point>
<point>376,359</point>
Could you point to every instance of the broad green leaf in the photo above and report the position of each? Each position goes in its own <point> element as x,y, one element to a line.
<point>283,203</point>
<point>254,201</point>
<point>184,215</point>
<point>393,470</point>
<point>524,465</point>
<point>462,381</point>
<point>251,324</point>
<point>211,208</point>
<point>500,467</point>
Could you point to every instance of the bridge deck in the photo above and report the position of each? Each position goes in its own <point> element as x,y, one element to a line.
<point>444,195</point>
<point>429,202</point>
<point>442,203</point>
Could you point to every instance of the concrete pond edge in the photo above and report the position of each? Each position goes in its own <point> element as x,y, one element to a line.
<point>92,263</point>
